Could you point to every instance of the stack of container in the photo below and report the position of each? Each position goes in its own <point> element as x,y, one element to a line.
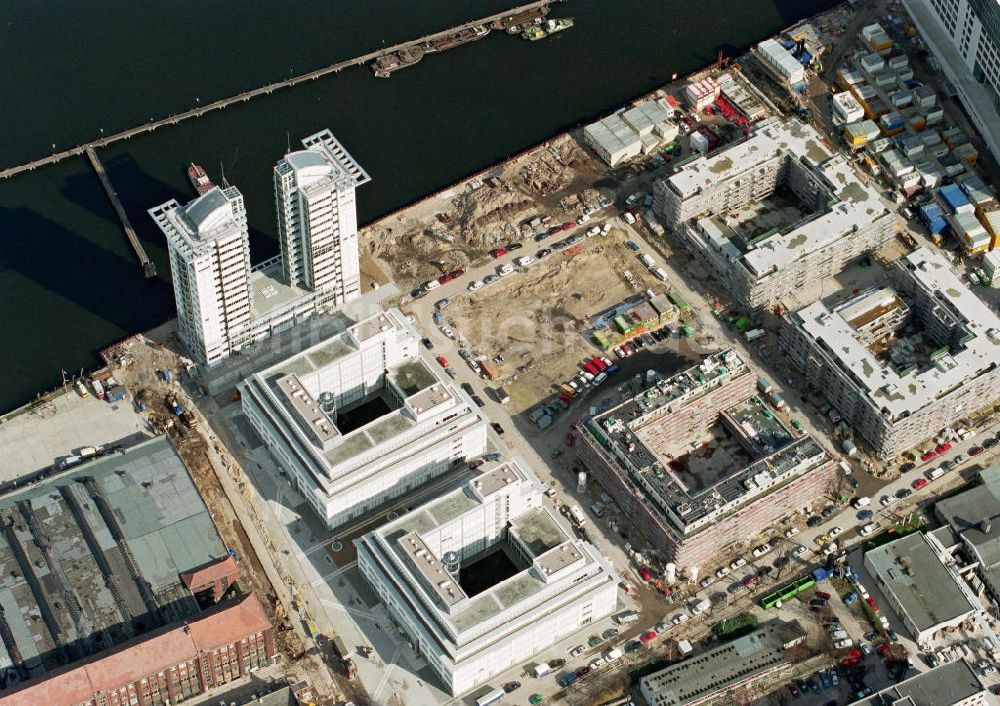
<point>781,61</point>
<point>930,174</point>
<point>911,146</point>
<point>860,133</point>
<point>896,164</point>
<point>898,63</point>
<point>872,64</point>
<point>901,99</point>
<point>877,38</point>
<point>846,108</point>
<point>701,94</point>
<point>924,97</point>
<point>966,153</point>
<point>846,78</point>
<point>891,123</point>
<point>980,195</point>
<point>933,216</point>
<point>971,233</point>
<point>954,199</point>
<point>991,267</point>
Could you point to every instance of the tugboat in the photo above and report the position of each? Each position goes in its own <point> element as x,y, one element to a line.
<point>199,179</point>
<point>533,34</point>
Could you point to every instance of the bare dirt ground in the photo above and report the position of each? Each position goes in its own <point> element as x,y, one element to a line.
<point>538,319</point>
<point>461,226</point>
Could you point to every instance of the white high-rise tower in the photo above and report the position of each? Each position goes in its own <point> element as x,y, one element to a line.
<point>317,217</point>
<point>209,249</point>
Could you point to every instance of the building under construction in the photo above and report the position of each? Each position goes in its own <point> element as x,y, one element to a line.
<point>92,557</point>
<point>700,463</point>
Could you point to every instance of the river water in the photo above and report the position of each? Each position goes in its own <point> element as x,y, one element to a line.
<point>69,283</point>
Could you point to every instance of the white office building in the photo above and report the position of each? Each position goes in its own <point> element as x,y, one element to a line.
<point>317,217</point>
<point>359,419</point>
<point>485,578</point>
<point>964,36</point>
<point>209,249</point>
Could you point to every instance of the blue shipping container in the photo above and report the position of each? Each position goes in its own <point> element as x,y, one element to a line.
<point>933,215</point>
<point>953,197</point>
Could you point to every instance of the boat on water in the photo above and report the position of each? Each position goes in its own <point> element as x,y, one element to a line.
<point>451,41</point>
<point>384,65</point>
<point>199,179</point>
<point>534,33</point>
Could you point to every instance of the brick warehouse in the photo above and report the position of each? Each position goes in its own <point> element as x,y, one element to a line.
<point>169,665</point>
<point>695,518</point>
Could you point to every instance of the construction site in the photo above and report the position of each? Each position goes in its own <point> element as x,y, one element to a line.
<point>459,226</point>
<point>538,320</point>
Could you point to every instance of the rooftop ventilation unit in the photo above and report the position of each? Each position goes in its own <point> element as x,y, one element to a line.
<point>452,563</point>
<point>328,403</point>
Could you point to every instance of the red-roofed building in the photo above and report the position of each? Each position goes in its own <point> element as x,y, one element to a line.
<point>212,580</point>
<point>175,663</point>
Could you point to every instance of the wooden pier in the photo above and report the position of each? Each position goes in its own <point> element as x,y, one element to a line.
<point>264,90</point>
<point>148,267</point>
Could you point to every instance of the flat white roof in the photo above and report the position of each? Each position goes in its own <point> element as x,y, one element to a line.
<point>858,205</point>
<point>906,394</point>
<point>768,141</point>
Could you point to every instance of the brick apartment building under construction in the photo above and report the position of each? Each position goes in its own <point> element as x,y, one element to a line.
<point>167,666</point>
<point>694,517</point>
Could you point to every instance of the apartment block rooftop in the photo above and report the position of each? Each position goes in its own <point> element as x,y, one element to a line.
<point>972,326</point>
<point>196,226</point>
<point>536,557</point>
<point>688,504</point>
<point>92,557</point>
<point>846,203</point>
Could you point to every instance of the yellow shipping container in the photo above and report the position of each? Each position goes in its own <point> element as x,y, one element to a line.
<point>967,153</point>
<point>991,222</point>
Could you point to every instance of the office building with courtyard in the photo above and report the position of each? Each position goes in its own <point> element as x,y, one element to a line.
<point>701,464</point>
<point>903,363</point>
<point>484,578</point>
<point>360,418</point>
<point>773,212</point>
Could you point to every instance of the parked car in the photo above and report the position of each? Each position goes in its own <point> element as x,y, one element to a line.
<point>918,483</point>
<point>814,520</point>
<point>631,246</point>
<point>864,515</point>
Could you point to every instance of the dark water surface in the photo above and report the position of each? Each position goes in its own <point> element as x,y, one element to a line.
<point>69,283</point>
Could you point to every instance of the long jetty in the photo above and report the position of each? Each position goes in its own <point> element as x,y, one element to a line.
<point>148,266</point>
<point>263,90</point>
